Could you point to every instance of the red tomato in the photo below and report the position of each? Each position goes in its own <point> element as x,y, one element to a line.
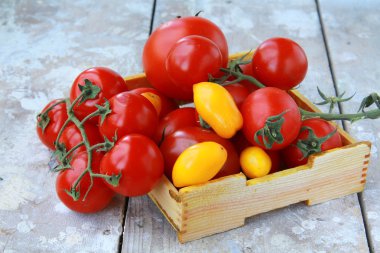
<point>71,136</point>
<point>238,92</point>
<point>57,117</point>
<point>175,143</point>
<point>167,104</point>
<point>163,39</point>
<point>139,161</point>
<point>267,102</point>
<point>191,60</point>
<point>98,197</point>
<point>110,83</point>
<point>293,156</point>
<point>175,120</point>
<point>131,113</point>
<point>276,161</point>
<point>279,62</point>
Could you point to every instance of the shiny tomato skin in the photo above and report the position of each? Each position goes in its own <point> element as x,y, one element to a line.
<point>293,157</point>
<point>175,120</point>
<point>167,104</point>
<point>191,60</point>
<point>161,42</point>
<point>110,83</point>
<point>238,92</point>
<point>99,196</point>
<point>175,143</point>
<point>131,113</point>
<point>139,161</point>
<point>58,116</point>
<point>267,102</point>
<point>71,136</point>
<point>279,62</point>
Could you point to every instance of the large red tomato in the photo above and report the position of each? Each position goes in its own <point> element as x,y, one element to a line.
<point>264,107</point>
<point>97,198</point>
<point>279,62</point>
<point>293,156</point>
<point>131,113</point>
<point>57,116</point>
<point>110,83</point>
<point>139,162</point>
<point>175,143</point>
<point>238,92</point>
<point>161,42</point>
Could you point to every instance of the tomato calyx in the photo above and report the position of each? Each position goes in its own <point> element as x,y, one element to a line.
<point>371,99</point>
<point>271,131</point>
<point>312,144</point>
<point>332,100</point>
<point>43,118</point>
<point>88,91</point>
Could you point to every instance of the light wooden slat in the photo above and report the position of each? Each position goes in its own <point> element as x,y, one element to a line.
<point>353,38</point>
<point>43,46</point>
<point>334,226</point>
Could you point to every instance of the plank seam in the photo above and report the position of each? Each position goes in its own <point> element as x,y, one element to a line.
<point>332,72</point>
<point>121,237</point>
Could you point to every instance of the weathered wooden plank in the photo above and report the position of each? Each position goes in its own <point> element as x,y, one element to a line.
<point>353,38</point>
<point>43,46</point>
<point>335,226</point>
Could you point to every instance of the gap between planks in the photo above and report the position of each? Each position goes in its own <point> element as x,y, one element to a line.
<point>125,209</point>
<point>332,72</point>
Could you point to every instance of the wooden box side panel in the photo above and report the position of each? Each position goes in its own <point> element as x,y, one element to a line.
<point>224,204</point>
<point>167,199</point>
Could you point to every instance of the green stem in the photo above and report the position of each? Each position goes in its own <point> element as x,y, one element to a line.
<point>52,107</point>
<point>91,115</point>
<point>373,114</point>
<point>242,77</point>
<point>72,150</point>
<point>96,146</point>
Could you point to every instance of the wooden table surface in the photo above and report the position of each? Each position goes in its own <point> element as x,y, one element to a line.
<point>44,45</point>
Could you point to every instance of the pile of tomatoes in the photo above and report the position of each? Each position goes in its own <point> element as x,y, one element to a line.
<point>112,139</point>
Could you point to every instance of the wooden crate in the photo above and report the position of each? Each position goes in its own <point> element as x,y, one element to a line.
<point>223,204</point>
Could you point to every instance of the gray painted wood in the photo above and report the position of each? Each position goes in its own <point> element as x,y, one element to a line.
<point>335,226</point>
<point>352,30</point>
<point>43,46</point>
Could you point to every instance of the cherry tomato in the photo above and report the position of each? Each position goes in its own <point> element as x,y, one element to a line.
<point>238,92</point>
<point>293,156</point>
<point>279,62</point>
<point>138,160</point>
<point>98,197</point>
<point>57,117</point>
<point>276,160</point>
<point>255,162</point>
<point>175,120</point>
<point>166,104</point>
<point>175,143</point>
<point>71,136</point>
<point>163,39</point>
<point>268,102</point>
<point>110,83</point>
<point>131,113</point>
<point>191,60</point>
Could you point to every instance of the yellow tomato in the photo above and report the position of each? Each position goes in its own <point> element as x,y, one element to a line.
<point>198,163</point>
<point>154,99</point>
<point>255,162</point>
<point>217,107</point>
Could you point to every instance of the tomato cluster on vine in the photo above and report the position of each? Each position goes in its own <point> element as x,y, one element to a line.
<point>110,138</point>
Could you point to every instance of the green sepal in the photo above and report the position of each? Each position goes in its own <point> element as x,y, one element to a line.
<point>104,111</point>
<point>313,143</point>
<point>113,180</point>
<point>73,193</point>
<point>43,121</point>
<point>107,145</point>
<point>89,90</point>
<point>271,132</point>
<point>371,99</point>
